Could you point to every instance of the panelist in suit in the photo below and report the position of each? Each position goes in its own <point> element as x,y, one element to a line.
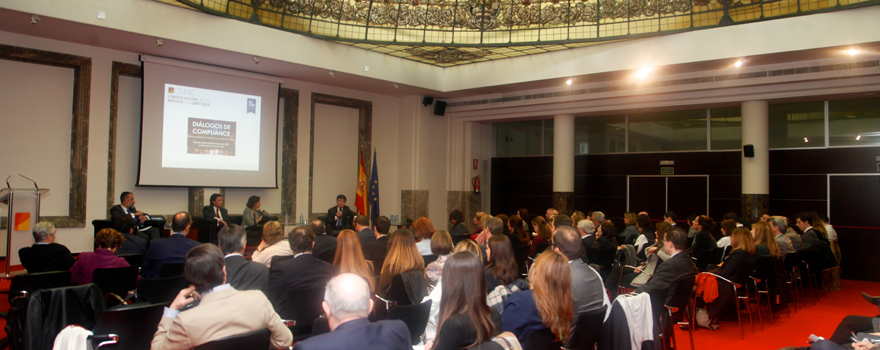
<point>347,304</point>
<point>222,312</point>
<point>377,249</point>
<point>241,274</point>
<point>126,208</point>
<point>339,217</point>
<point>586,284</point>
<point>45,255</point>
<point>679,267</point>
<point>301,272</point>
<point>171,250</point>
<point>216,210</point>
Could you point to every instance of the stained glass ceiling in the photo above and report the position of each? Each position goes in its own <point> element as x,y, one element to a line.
<point>447,33</point>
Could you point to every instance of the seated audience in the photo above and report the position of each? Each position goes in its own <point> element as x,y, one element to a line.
<point>133,244</point>
<point>670,218</point>
<point>404,259</point>
<point>376,250</point>
<point>587,289</point>
<point>796,241</point>
<point>703,240</point>
<point>171,250</point>
<point>464,318</point>
<point>502,273</point>
<point>222,311</point>
<point>301,272</point>
<point>523,214</point>
<point>543,234</point>
<point>45,255</point>
<point>272,245</point>
<point>423,229</point>
<point>362,227</point>
<point>550,213</point>
<point>103,258</point>
<point>517,230</point>
<point>647,237</point>
<point>349,257</point>
<point>323,242</point>
<point>679,266</point>
<point>561,220</point>
<point>765,243</point>
<point>547,305</point>
<point>809,232</point>
<point>736,268</point>
<point>832,236</point>
<point>347,304</point>
<point>587,230</point>
<point>504,219</point>
<point>253,215</point>
<point>779,225</point>
<point>491,226</point>
<point>599,219</point>
<point>241,274</point>
<point>654,255</point>
<point>441,246</point>
<point>727,227</point>
<point>468,246</point>
<point>458,231</point>
<point>607,247</point>
<point>631,232</point>
<point>479,218</point>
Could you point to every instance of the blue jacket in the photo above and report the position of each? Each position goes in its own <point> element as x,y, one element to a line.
<point>171,250</point>
<point>363,335</point>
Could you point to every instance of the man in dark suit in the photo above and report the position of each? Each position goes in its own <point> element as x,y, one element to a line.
<point>302,272</point>
<point>171,250</point>
<point>587,289</point>
<point>133,244</point>
<point>339,217</point>
<point>126,208</point>
<point>241,273</point>
<point>378,249</point>
<point>45,255</point>
<point>347,304</point>
<point>362,227</point>
<point>216,210</point>
<point>587,229</point>
<point>323,243</point>
<point>804,221</point>
<point>679,267</point>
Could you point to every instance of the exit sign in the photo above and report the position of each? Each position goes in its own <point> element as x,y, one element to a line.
<point>667,170</point>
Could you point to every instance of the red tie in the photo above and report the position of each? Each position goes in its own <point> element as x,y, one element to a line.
<point>218,212</point>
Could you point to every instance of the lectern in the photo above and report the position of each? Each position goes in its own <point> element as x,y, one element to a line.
<point>24,213</point>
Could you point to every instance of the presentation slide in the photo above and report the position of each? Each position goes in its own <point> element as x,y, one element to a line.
<point>209,129</point>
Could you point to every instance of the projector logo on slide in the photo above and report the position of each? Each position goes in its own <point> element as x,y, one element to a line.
<point>211,137</point>
<point>252,105</point>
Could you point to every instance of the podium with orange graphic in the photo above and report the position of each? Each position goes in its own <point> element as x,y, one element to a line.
<point>24,213</point>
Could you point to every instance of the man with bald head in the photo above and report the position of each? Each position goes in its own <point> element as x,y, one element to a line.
<point>347,304</point>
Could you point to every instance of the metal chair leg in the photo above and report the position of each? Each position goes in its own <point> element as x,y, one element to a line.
<point>739,315</point>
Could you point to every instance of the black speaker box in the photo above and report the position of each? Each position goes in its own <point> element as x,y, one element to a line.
<point>439,108</point>
<point>748,151</point>
<point>427,101</point>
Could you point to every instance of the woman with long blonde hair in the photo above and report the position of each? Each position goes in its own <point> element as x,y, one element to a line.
<point>765,242</point>
<point>548,305</point>
<point>404,259</point>
<point>349,257</point>
<point>736,267</point>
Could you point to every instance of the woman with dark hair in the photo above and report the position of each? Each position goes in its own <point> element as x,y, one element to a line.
<point>349,257</point>
<point>646,234</point>
<point>727,227</point>
<point>501,268</point>
<point>108,240</point>
<point>464,318</point>
<point>703,240</point>
<point>548,305</point>
<point>273,244</point>
<point>736,268</point>
<point>504,229</point>
<point>441,246</point>
<point>458,231</point>
<point>608,244</point>
<point>514,224</point>
<point>404,259</point>
<point>423,229</point>
<point>253,215</point>
<point>543,234</point>
<point>526,219</point>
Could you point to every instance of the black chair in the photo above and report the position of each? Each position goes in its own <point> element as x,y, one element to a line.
<point>764,279</point>
<point>133,259</point>
<point>101,224</point>
<point>704,258</point>
<point>717,256</point>
<point>118,281</point>
<point>585,333</point>
<point>521,256</point>
<point>279,258</point>
<point>415,317</point>
<point>302,307</point>
<point>252,340</point>
<point>161,290</point>
<point>327,256</point>
<point>679,304</point>
<point>541,247</point>
<point>429,259</point>
<point>22,285</point>
<point>612,279</point>
<point>171,269</point>
<point>134,325</point>
<point>541,340</point>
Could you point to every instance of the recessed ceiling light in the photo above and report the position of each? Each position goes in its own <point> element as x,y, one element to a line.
<point>853,51</point>
<point>806,139</point>
<point>643,72</point>
<point>568,82</point>
<point>858,137</point>
<point>739,63</point>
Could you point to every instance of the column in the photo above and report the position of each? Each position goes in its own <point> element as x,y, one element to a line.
<point>755,170</point>
<point>563,163</point>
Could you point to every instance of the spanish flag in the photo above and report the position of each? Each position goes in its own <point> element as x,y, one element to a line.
<point>361,198</point>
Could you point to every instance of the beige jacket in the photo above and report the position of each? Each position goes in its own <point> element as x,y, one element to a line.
<point>219,315</point>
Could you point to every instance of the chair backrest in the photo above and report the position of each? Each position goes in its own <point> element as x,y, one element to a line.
<point>157,221</point>
<point>429,259</point>
<point>278,258</point>
<point>101,224</point>
<point>397,291</point>
<point>704,257</point>
<point>33,282</point>
<point>717,255</point>
<point>117,280</point>
<point>327,256</point>
<point>133,259</point>
<point>134,324</point>
<point>521,256</point>
<point>302,306</point>
<point>50,310</point>
<point>541,247</point>
<point>541,340</point>
<point>680,294</point>
<point>252,340</point>
<point>171,269</point>
<point>415,317</point>
<point>161,290</point>
<point>586,330</point>
<point>612,281</point>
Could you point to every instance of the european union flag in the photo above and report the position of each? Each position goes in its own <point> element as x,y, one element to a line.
<point>373,197</point>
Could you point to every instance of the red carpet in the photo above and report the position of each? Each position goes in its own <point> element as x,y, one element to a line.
<point>820,319</point>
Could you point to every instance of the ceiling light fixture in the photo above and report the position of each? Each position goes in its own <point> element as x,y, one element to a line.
<point>858,137</point>
<point>34,20</point>
<point>568,82</point>
<point>853,51</point>
<point>159,42</point>
<point>642,73</point>
<point>739,63</point>
<point>395,86</point>
<point>332,75</point>
<point>806,139</point>
<point>256,60</point>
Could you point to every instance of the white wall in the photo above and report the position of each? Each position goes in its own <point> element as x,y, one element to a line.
<point>336,156</point>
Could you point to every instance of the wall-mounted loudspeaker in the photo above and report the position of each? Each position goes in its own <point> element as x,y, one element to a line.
<point>439,108</point>
<point>748,151</point>
<point>427,101</point>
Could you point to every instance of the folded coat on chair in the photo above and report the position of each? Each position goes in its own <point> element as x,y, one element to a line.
<point>707,286</point>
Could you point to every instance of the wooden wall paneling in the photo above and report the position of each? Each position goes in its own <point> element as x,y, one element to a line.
<point>687,195</point>
<point>647,194</point>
